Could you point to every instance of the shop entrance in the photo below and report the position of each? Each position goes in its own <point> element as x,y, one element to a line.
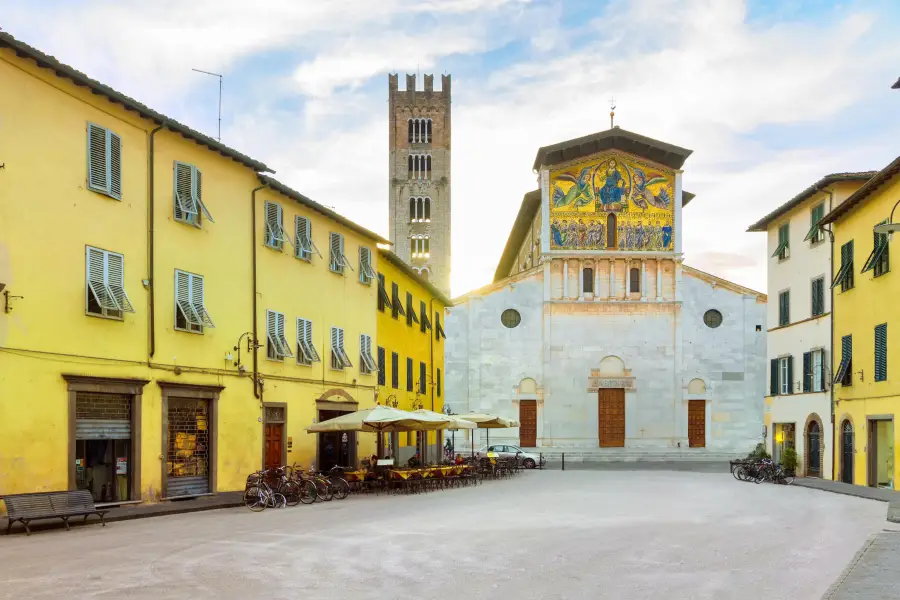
<point>188,450</point>
<point>336,448</point>
<point>881,453</point>
<point>103,445</point>
<point>784,438</point>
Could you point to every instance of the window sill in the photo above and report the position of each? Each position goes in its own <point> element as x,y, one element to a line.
<point>103,193</point>
<point>193,224</point>
<point>105,317</point>
<point>182,330</point>
<point>276,248</point>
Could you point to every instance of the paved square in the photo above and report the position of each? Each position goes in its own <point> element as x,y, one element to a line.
<point>573,534</point>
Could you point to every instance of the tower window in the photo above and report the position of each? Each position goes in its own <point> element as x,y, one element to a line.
<point>588,280</point>
<point>420,210</point>
<point>419,131</point>
<point>611,232</point>
<point>420,246</point>
<point>419,166</point>
<point>635,280</point>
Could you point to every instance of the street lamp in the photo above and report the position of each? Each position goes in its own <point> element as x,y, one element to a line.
<point>890,226</point>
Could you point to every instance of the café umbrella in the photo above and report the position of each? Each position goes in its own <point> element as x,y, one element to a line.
<point>451,421</point>
<point>485,421</point>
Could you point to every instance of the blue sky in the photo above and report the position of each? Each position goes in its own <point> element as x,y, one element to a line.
<point>770,94</point>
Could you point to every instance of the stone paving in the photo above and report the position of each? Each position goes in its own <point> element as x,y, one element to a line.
<point>873,574</point>
<point>542,535</point>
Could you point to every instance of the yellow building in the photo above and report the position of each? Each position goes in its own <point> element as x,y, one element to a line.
<point>866,388</point>
<point>410,351</point>
<point>173,320</point>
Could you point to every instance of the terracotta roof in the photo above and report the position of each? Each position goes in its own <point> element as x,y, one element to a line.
<point>400,264</point>
<point>80,79</point>
<point>864,192</point>
<point>531,203</point>
<point>617,138</point>
<point>763,224</point>
<point>295,195</point>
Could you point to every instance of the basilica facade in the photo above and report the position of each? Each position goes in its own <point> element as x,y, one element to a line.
<point>594,333</point>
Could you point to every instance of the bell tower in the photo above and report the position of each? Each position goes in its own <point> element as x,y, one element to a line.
<point>419,141</point>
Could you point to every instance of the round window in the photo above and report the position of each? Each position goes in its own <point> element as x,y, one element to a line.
<point>511,318</point>
<point>712,318</point>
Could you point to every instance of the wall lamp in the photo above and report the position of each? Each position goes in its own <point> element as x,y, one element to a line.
<point>7,297</point>
<point>890,226</point>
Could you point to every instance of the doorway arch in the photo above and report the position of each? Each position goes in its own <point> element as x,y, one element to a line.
<point>813,447</point>
<point>847,451</point>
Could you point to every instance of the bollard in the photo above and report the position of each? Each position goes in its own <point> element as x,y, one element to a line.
<point>563,461</point>
<point>541,461</point>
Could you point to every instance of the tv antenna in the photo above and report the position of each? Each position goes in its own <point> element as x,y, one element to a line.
<point>219,137</point>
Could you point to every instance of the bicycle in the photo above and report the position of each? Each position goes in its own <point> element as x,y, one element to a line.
<point>340,487</point>
<point>288,487</point>
<point>323,487</point>
<point>258,495</point>
<point>306,489</point>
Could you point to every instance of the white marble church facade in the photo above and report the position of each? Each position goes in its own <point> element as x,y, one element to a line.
<point>609,342</point>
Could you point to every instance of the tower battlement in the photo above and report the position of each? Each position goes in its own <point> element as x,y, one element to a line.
<point>412,85</point>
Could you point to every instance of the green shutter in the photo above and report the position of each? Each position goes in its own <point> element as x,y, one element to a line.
<point>807,371</point>
<point>881,352</point>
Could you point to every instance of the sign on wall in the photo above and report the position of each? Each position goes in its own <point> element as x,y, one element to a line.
<point>595,384</point>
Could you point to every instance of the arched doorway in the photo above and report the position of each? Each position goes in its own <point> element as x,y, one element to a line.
<point>847,452</point>
<point>813,450</point>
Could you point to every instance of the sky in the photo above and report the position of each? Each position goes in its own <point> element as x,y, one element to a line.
<point>769,94</point>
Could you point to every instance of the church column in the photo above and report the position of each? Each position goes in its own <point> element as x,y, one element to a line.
<point>612,279</point>
<point>658,279</point>
<point>643,279</point>
<point>565,279</point>
<point>596,279</point>
<point>580,264</point>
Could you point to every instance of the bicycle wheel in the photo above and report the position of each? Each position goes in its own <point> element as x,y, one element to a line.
<point>278,500</point>
<point>291,491</point>
<point>323,487</point>
<point>308,492</point>
<point>340,487</point>
<point>255,498</point>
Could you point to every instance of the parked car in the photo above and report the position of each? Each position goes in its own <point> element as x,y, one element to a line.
<point>526,459</point>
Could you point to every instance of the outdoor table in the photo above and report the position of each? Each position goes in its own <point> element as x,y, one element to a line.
<point>355,475</point>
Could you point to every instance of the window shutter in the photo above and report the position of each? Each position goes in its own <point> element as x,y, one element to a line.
<point>302,354</point>
<point>273,213</point>
<point>185,207</point>
<point>303,249</point>
<point>438,381</point>
<point>198,189</point>
<point>395,370</point>
<point>409,374</point>
<point>773,377</point>
<point>115,166</point>
<point>807,371</point>
<point>98,172</point>
<point>183,298</point>
<point>410,313</point>
<point>272,333</point>
<point>382,379</point>
<point>285,346</point>
<point>115,281</point>
<point>790,370</point>
<point>197,301</point>
<point>422,381</point>
<point>309,341</point>
<point>822,371</point>
<point>396,305</point>
<point>96,279</point>
<point>881,352</point>
<point>336,252</point>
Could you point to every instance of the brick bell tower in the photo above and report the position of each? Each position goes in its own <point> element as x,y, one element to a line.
<point>419,138</point>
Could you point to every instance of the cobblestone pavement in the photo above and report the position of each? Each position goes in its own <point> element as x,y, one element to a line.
<point>874,574</point>
<point>541,535</point>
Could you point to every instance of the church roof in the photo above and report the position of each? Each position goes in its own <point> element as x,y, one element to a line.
<point>615,138</point>
<point>724,283</point>
<point>531,203</point>
<point>763,224</point>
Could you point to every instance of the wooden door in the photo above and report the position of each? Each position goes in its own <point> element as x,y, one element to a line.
<point>274,447</point>
<point>611,412</point>
<point>813,450</point>
<point>697,423</point>
<point>528,423</point>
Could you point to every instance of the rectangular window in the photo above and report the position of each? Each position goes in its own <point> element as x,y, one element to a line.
<point>338,260</point>
<point>306,349</point>
<point>784,308</point>
<point>275,234</point>
<point>383,300</point>
<point>815,235</point>
<point>879,259</point>
<point>396,305</point>
<point>409,374</point>
<point>783,250</point>
<point>411,316</point>
<point>366,273</point>
<point>382,375</point>
<point>104,161</point>
<point>814,371</point>
<point>438,382</point>
<point>188,194</point>
<point>339,358</point>
<point>422,377</point>
<point>844,276</point>
<point>304,246</point>
<point>587,278</point>
<point>844,373</point>
<point>818,296</point>
<point>395,370</point>
<point>105,284</point>
<point>881,352</point>
<point>785,375</point>
<point>190,311</point>
<point>277,347</point>
<point>367,364</point>
<point>423,312</point>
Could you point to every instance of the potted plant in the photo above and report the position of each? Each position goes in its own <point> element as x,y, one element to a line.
<point>789,461</point>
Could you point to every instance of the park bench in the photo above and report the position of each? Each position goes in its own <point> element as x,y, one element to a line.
<point>50,505</point>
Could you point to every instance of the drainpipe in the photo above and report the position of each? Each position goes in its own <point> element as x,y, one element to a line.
<point>150,242</point>
<point>431,351</point>
<point>256,390</point>
<point>831,339</point>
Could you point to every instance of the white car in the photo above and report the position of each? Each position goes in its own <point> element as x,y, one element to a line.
<point>526,459</point>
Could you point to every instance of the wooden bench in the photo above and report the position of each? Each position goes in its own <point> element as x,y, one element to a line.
<point>50,505</point>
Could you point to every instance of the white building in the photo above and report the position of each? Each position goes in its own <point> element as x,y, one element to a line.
<point>798,409</point>
<point>593,332</point>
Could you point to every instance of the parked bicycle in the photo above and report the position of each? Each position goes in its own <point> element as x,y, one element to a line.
<point>760,470</point>
<point>259,495</point>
